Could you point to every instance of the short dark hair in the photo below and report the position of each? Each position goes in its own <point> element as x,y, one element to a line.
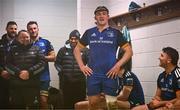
<point>11,23</point>
<point>22,31</point>
<point>101,8</point>
<point>172,53</point>
<point>31,22</point>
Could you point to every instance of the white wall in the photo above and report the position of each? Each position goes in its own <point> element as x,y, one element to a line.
<point>86,13</point>
<point>56,19</point>
<point>117,7</point>
<point>147,41</point>
<point>0,14</point>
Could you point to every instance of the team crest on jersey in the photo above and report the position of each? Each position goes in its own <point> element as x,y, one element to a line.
<point>41,44</point>
<point>101,38</point>
<point>110,34</point>
<point>93,35</point>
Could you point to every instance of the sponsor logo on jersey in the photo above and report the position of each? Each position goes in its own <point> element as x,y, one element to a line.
<point>93,35</point>
<point>110,34</point>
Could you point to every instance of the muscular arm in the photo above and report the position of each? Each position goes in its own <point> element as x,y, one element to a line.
<point>176,103</point>
<point>124,94</point>
<point>116,68</point>
<point>51,57</point>
<point>77,53</point>
<point>127,55</point>
<point>156,100</point>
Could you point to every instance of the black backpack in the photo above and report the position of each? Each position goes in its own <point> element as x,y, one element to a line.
<point>55,98</point>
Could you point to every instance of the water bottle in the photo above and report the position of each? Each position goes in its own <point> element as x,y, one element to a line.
<point>36,102</point>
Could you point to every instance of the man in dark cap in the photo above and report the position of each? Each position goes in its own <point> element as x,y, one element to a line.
<point>101,8</point>
<point>102,68</point>
<point>72,80</point>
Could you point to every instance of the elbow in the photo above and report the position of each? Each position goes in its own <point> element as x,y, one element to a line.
<point>131,52</point>
<point>54,59</point>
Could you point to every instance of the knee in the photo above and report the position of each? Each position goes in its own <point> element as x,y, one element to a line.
<point>81,105</point>
<point>93,104</point>
<point>76,106</point>
<point>43,99</point>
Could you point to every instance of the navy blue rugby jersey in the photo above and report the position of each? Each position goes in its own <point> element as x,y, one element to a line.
<point>103,47</point>
<point>169,84</point>
<point>137,95</point>
<point>45,47</point>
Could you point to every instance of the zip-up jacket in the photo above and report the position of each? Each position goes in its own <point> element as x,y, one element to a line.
<point>4,49</point>
<point>28,58</point>
<point>67,65</point>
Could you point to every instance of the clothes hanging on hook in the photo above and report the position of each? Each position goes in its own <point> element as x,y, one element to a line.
<point>126,33</point>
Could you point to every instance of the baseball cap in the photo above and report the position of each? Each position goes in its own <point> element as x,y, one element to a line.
<point>133,6</point>
<point>101,8</point>
<point>75,33</point>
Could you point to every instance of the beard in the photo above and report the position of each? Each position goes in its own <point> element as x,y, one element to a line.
<point>73,45</point>
<point>34,35</point>
<point>163,65</point>
<point>12,35</point>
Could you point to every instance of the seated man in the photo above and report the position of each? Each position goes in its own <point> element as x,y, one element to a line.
<point>131,93</point>
<point>167,95</point>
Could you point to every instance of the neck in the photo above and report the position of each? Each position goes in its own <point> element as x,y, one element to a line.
<point>9,38</point>
<point>169,68</point>
<point>102,27</point>
<point>34,38</point>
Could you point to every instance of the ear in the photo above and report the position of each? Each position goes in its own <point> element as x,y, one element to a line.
<point>169,60</point>
<point>95,17</point>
